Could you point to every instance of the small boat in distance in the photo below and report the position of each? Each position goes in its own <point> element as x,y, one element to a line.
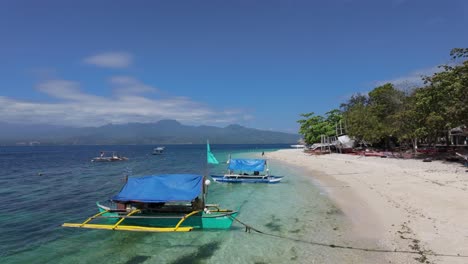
<point>105,156</point>
<point>158,150</point>
<point>247,171</point>
<point>160,203</point>
<point>298,146</point>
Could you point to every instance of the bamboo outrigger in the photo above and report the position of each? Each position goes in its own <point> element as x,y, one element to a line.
<point>160,204</point>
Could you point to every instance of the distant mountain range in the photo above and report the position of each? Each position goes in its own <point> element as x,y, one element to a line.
<point>161,132</point>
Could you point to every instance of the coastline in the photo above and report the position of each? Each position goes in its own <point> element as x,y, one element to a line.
<point>403,204</point>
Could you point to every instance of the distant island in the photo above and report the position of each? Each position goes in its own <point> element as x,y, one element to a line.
<point>161,132</point>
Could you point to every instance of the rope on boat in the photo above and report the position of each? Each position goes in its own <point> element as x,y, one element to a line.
<point>249,228</point>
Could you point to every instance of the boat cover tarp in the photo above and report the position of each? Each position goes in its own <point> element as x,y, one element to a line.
<point>161,188</point>
<point>247,164</point>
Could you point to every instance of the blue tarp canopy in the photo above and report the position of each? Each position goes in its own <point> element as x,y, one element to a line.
<point>161,188</point>
<point>247,164</point>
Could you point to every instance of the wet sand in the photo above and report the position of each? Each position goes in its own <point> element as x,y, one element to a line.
<point>405,205</point>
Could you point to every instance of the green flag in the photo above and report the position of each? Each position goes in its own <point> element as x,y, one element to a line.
<point>211,158</point>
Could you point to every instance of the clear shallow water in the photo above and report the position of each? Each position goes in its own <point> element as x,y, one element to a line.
<point>42,187</point>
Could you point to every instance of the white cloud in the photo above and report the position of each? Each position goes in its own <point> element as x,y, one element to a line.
<point>110,60</point>
<point>62,89</point>
<point>248,117</point>
<point>412,79</point>
<point>74,107</point>
<point>130,85</point>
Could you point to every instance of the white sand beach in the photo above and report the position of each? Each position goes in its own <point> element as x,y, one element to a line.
<point>402,204</point>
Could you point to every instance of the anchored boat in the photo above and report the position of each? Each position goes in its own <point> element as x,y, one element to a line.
<point>158,150</point>
<point>247,171</point>
<point>160,203</point>
<point>105,157</point>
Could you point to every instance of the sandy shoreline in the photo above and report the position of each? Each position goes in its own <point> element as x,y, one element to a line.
<point>402,204</point>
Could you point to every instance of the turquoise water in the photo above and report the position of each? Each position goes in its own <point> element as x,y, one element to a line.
<point>46,186</point>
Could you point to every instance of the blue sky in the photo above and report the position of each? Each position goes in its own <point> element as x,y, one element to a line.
<point>255,63</point>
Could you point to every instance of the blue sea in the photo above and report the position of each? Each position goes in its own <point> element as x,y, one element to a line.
<point>42,187</point>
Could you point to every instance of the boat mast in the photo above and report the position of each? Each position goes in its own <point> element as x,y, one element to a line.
<point>229,162</point>
<point>205,180</point>
<point>204,190</point>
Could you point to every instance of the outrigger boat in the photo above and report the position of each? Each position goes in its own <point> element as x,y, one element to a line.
<point>114,157</point>
<point>160,203</point>
<point>248,171</point>
<point>158,150</point>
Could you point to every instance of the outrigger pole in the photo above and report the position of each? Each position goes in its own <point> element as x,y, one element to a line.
<point>118,227</point>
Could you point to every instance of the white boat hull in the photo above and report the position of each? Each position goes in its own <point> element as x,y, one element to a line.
<point>246,179</point>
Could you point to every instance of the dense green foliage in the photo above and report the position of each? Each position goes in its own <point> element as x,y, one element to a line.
<point>389,115</point>
<point>313,126</point>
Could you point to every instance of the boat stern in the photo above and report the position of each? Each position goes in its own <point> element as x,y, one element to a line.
<point>218,220</point>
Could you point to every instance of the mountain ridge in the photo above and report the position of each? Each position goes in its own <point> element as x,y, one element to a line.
<point>161,132</point>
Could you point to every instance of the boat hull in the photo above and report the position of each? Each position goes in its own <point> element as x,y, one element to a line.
<point>202,220</point>
<point>107,159</point>
<point>269,179</point>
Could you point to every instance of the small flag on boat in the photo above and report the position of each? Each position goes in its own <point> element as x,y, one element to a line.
<point>211,158</point>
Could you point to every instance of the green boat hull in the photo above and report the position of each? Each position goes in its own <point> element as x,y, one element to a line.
<point>202,220</point>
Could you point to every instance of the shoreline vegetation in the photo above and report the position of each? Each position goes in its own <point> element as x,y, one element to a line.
<point>404,204</point>
<point>391,117</point>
